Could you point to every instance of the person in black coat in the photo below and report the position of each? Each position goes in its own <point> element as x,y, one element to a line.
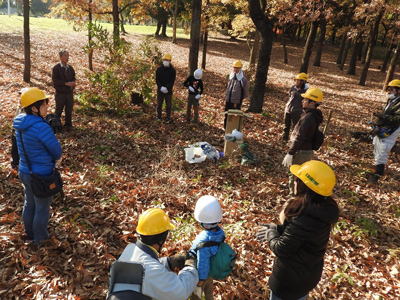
<point>165,79</point>
<point>63,77</point>
<point>301,241</point>
<point>195,89</point>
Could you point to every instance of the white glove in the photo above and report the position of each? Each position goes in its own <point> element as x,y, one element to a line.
<point>58,161</point>
<point>197,97</point>
<point>191,89</point>
<point>164,89</point>
<point>288,160</point>
<point>198,291</point>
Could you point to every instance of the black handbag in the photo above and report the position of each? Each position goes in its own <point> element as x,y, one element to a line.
<point>43,186</point>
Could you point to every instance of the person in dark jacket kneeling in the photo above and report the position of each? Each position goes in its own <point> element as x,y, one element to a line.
<point>301,241</point>
<point>43,151</point>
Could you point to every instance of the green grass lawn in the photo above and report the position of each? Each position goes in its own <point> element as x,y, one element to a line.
<point>15,23</point>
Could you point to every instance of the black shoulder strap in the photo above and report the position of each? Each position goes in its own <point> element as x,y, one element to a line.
<point>26,155</point>
<point>207,244</point>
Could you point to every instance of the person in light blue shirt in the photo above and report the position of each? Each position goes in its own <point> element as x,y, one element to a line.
<point>208,213</point>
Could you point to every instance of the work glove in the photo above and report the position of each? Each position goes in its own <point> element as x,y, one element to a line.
<point>197,97</point>
<point>379,115</point>
<point>58,161</point>
<point>164,89</point>
<point>177,261</point>
<point>262,234</point>
<point>191,261</point>
<point>288,160</point>
<point>191,89</point>
<point>198,291</point>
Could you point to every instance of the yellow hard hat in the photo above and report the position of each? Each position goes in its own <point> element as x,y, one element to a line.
<point>238,64</point>
<point>315,174</point>
<point>168,56</point>
<point>302,76</point>
<point>153,221</point>
<point>394,83</point>
<point>314,94</point>
<point>32,95</point>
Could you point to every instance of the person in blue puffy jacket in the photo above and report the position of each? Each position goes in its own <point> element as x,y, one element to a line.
<point>43,151</point>
<point>208,213</point>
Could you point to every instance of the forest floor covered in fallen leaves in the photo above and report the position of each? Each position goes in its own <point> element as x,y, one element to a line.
<point>115,167</point>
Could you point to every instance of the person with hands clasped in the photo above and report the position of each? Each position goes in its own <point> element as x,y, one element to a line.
<point>155,277</point>
<point>301,139</point>
<point>195,89</point>
<point>300,243</point>
<point>386,129</point>
<point>39,152</point>
<point>208,213</point>
<point>237,89</point>
<point>294,106</point>
<point>165,79</point>
<point>63,77</point>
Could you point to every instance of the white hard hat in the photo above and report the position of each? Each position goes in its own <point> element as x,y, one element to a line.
<point>198,74</point>
<point>208,210</point>
<point>237,134</point>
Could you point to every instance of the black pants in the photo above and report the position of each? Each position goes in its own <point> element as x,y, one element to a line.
<point>228,106</point>
<point>168,102</point>
<point>289,120</point>
<point>67,101</point>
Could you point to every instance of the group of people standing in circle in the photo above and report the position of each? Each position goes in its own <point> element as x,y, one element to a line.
<point>299,241</point>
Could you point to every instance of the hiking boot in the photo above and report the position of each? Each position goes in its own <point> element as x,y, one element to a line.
<point>374,179</point>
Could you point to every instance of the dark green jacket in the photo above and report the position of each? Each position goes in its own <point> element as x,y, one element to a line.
<point>391,114</point>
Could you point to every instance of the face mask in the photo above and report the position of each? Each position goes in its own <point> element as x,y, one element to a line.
<point>391,96</point>
<point>166,63</point>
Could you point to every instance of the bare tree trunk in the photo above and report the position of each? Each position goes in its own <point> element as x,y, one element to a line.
<point>344,56</point>
<point>265,28</point>
<point>158,28</point>
<point>388,53</point>
<point>164,27</point>
<point>205,42</point>
<point>392,66</point>
<point>308,47</point>
<point>374,37</point>
<point>320,45</point>
<point>299,33</point>
<point>254,51</point>
<point>115,15</point>
<point>27,44</point>
<point>353,60</point>
<point>174,27</point>
<point>195,36</point>
<point>123,31</point>
<point>90,53</point>
<point>333,38</point>
<point>342,45</point>
<point>285,56</point>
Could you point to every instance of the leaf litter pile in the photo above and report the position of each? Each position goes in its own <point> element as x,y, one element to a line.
<point>115,167</point>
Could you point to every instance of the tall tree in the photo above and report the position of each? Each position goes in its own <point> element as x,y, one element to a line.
<point>392,66</point>
<point>372,43</point>
<point>27,43</point>
<point>265,27</point>
<point>321,40</point>
<point>305,59</point>
<point>195,36</point>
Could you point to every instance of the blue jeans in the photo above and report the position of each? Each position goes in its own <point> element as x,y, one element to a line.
<point>35,214</point>
<point>274,297</point>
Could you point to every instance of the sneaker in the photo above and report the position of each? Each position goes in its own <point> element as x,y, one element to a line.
<point>158,119</point>
<point>167,120</point>
<point>194,122</point>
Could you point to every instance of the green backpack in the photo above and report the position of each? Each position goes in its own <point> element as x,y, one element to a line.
<point>222,263</point>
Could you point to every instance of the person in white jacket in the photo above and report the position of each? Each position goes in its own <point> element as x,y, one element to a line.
<point>159,281</point>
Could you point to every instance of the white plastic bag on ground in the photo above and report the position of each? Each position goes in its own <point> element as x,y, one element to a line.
<point>198,152</point>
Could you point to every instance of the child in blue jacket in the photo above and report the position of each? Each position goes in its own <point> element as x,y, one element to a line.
<point>208,213</point>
